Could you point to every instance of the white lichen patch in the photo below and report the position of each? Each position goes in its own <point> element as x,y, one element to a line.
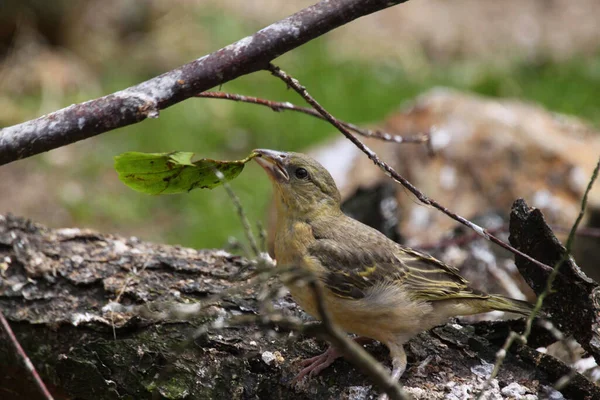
<point>77,260</point>
<point>470,391</point>
<point>113,306</point>
<point>81,318</point>
<point>517,392</point>
<point>241,45</point>
<point>119,247</point>
<point>483,370</point>
<point>289,26</point>
<point>359,392</point>
<point>479,230</point>
<point>152,91</point>
<point>68,232</point>
<point>221,253</point>
<point>423,394</point>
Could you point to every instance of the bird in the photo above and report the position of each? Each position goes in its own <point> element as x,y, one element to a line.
<point>372,286</point>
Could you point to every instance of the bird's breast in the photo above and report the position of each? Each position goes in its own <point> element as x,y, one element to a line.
<point>292,240</point>
<point>291,243</point>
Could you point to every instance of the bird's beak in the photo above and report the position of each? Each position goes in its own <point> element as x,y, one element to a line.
<point>274,162</point>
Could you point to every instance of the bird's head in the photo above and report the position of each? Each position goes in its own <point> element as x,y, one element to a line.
<point>302,186</point>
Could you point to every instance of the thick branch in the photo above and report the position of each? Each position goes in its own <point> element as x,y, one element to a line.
<point>134,104</point>
<point>58,289</point>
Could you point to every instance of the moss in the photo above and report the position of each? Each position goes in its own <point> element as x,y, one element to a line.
<point>175,388</point>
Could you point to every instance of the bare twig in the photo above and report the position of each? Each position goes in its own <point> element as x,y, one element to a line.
<point>145,100</point>
<point>540,300</point>
<point>389,171</point>
<point>569,345</point>
<point>28,364</point>
<point>262,236</point>
<point>281,106</point>
<point>461,240</point>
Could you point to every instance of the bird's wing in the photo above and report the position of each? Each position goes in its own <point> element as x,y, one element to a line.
<point>352,268</point>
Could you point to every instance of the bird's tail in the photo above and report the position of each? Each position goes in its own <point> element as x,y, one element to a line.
<point>501,303</point>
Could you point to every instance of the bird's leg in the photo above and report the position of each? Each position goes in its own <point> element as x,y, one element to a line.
<point>398,364</point>
<point>313,366</point>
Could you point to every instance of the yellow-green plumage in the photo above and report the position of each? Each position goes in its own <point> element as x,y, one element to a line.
<point>374,287</point>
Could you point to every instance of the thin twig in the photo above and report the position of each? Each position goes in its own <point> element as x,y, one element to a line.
<point>570,344</point>
<point>281,106</point>
<point>461,240</point>
<point>262,236</point>
<point>540,300</point>
<point>28,364</point>
<point>389,171</point>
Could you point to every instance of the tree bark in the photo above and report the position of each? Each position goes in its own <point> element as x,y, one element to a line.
<point>59,289</point>
<point>574,304</point>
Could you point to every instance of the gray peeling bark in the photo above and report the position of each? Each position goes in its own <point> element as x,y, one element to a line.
<point>134,104</point>
<point>58,290</point>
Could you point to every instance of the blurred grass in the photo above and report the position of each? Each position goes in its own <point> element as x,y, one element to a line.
<point>357,91</point>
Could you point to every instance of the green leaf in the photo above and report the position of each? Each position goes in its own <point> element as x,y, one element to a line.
<point>169,173</point>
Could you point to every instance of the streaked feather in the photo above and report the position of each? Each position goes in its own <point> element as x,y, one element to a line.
<point>357,258</point>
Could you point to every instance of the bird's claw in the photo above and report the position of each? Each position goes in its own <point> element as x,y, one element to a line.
<point>314,365</point>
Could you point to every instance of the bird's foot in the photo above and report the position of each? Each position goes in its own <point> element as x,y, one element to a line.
<point>313,366</point>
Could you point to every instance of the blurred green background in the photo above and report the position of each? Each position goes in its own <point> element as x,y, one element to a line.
<point>55,55</point>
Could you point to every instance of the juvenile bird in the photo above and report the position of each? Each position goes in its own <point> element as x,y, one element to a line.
<point>373,287</point>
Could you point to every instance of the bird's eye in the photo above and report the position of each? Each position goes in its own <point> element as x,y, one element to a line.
<point>301,173</point>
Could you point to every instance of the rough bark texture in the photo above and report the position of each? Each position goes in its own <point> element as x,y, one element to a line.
<point>56,284</point>
<point>134,104</point>
<point>574,303</point>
